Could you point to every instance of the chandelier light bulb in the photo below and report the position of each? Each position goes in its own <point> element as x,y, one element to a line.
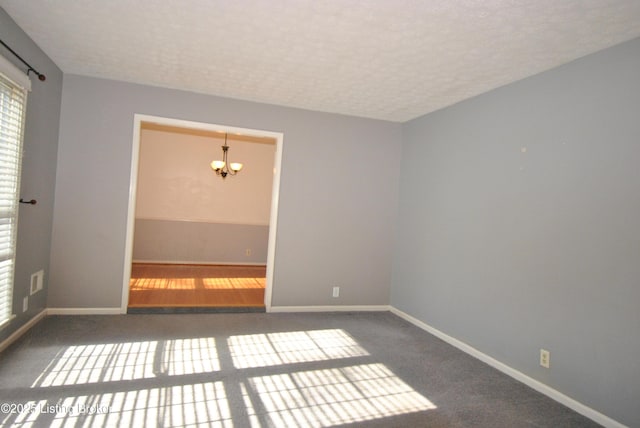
<point>217,164</point>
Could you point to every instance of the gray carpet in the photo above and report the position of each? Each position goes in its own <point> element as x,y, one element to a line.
<point>267,370</point>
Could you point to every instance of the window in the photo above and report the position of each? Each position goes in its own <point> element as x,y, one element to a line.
<point>13,99</point>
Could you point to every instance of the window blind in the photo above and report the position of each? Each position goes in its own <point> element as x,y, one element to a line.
<point>13,99</point>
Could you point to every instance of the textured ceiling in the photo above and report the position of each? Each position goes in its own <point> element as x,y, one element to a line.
<point>383,59</point>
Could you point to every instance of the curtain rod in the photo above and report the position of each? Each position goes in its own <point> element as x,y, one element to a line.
<point>41,76</point>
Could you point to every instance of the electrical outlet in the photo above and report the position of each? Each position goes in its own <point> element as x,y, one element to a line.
<point>336,291</point>
<point>247,252</point>
<point>545,358</point>
<point>25,304</point>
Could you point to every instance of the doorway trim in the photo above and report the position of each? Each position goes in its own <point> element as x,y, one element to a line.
<point>133,187</point>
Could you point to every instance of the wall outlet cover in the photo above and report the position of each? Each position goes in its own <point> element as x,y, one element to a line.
<point>545,358</point>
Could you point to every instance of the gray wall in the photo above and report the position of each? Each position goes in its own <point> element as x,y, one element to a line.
<point>38,170</point>
<point>199,242</point>
<point>511,251</point>
<point>337,202</point>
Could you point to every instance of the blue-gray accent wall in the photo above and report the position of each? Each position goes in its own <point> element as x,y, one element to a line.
<point>519,227</point>
<point>336,212</point>
<point>199,242</point>
<point>38,171</point>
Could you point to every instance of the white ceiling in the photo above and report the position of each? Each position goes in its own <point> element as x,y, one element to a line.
<point>383,59</point>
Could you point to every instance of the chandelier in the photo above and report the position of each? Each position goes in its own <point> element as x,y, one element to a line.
<point>223,167</point>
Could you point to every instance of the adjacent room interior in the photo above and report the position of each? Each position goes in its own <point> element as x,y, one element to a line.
<point>200,242</point>
<point>456,196</point>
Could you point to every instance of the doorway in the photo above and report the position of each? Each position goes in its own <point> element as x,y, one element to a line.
<point>205,264</point>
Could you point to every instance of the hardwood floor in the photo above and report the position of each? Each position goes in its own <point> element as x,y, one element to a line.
<point>167,285</point>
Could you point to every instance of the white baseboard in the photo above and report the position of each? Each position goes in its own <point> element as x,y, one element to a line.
<point>517,375</point>
<point>22,330</point>
<point>178,262</point>
<point>358,308</point>
<point>84,311</point>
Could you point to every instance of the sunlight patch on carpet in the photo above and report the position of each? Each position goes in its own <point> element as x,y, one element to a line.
<point>264,350</point>
<point>310,378</point>
<point>323,398</point>
<point>193,405</point>
<point>110,362</point>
